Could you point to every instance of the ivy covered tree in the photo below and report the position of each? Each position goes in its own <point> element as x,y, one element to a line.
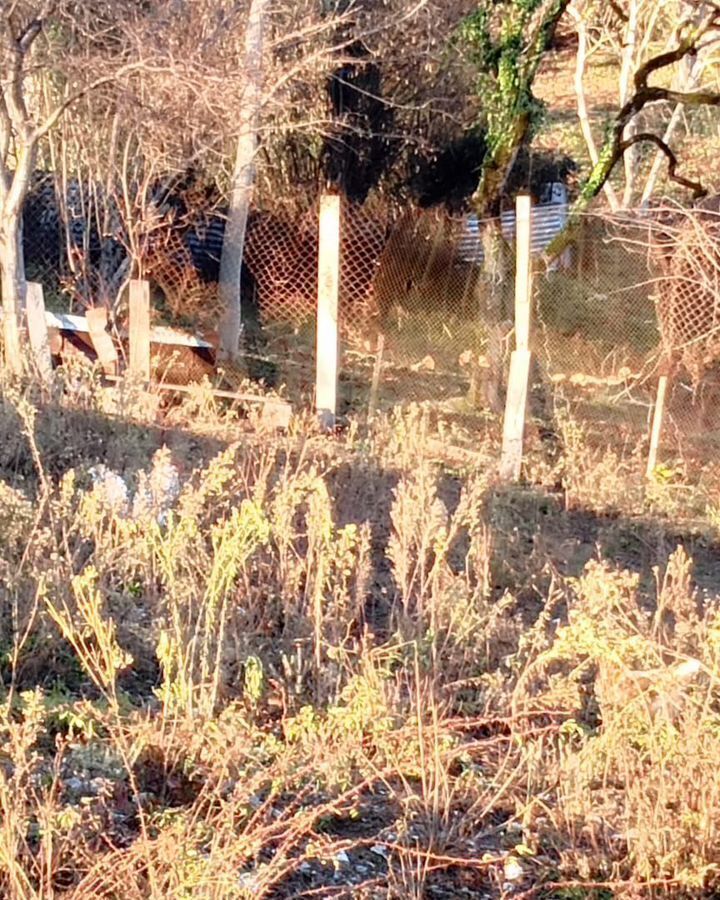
<point>506,40</point>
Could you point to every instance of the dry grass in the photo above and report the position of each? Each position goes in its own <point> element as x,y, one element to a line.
<point>336,667</point>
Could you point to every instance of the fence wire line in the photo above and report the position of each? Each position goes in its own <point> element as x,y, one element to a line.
<point>634,292</point>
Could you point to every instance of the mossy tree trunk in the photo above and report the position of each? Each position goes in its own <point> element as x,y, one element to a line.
<point>506,40</point>
<point>495,302</point>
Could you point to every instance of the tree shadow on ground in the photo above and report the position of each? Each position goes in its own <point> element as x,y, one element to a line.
<point>535,536</point>
<point>75,438</point>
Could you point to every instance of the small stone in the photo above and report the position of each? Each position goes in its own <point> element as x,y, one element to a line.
<point>513,869</point>
<point>247,881</point>
<point>276,414</point>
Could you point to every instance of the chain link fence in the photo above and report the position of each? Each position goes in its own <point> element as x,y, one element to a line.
<point>633,296</point>
<point>636,295</point>
<point>445,285</point>
<point>633,303</point>
<point>596,333</point>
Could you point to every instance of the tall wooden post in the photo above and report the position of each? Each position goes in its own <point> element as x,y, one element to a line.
<point>658,413</point>
<point>516,402</point>
<point>140,329</point>
<point>38,330</point>
<point>328,345</point>
<point>523,272</point>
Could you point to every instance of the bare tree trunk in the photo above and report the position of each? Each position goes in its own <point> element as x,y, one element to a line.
<point>242,184</point>
<point>631,157</point>
<point>12,260</point>
<point>585,127</point>
<point>12,279</point>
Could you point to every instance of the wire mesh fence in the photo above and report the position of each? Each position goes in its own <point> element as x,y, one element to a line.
<point>638,299</point>
<point>596,335</point>
<point>445,285</point>
<point>635,294</point>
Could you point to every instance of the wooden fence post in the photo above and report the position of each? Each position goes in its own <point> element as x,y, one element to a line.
<point>327,312</point>
<point>376,376</point>
<point>97,318</point>
<point>140,329</point>
<point>516,402</point>
<point>38,330</point>
<point>658,413</point>
<point>523,272</point>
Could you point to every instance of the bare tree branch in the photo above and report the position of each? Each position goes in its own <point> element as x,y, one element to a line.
<point>31,31</point>
<point>131,68</point>
<point>618,10</point>
<point>698,191</point>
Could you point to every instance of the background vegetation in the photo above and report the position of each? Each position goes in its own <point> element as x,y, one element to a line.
<point>236,663</point>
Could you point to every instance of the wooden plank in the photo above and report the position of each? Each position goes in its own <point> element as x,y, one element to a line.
<point>97,319</point>
<point>658,413</point>
<point>514,421</point>
<point>523,272</point>
<point>139,360</point>
<point>162,334</point>
<point>281,409</point>
<point>328,345</point>
<point>377,372</point>
<point>159,334</point>
<point>38,330</point>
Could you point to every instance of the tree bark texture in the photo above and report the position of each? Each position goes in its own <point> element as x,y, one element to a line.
<point>12,261</point>
<point>243,182</point>
<point>12,280</point>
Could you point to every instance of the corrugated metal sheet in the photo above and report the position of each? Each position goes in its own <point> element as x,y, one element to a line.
<point>547,221</point>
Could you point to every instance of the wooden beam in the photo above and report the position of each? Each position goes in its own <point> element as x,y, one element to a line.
<point>516,401</point>
<point>523,271</point>
<point>514,420</point>
<point>328,345</point>
<point>658,413</point>
<point>38,330</point>
<point>216,392</point>
<point>97,319</point>
<point>139,361</point>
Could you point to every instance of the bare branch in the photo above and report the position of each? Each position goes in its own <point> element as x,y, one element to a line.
<point>618,10</point>
<point>697,189</point>
<point>31,31</point>
<point>685,46</point>
<point>129,69</point>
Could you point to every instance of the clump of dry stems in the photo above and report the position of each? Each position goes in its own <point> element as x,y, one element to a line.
<point>315,668</point>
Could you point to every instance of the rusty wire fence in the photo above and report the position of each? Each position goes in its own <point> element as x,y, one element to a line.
<point>596,332</point>
<point>617,307</point>
<point>635,295</point>
<point>638,298</point>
